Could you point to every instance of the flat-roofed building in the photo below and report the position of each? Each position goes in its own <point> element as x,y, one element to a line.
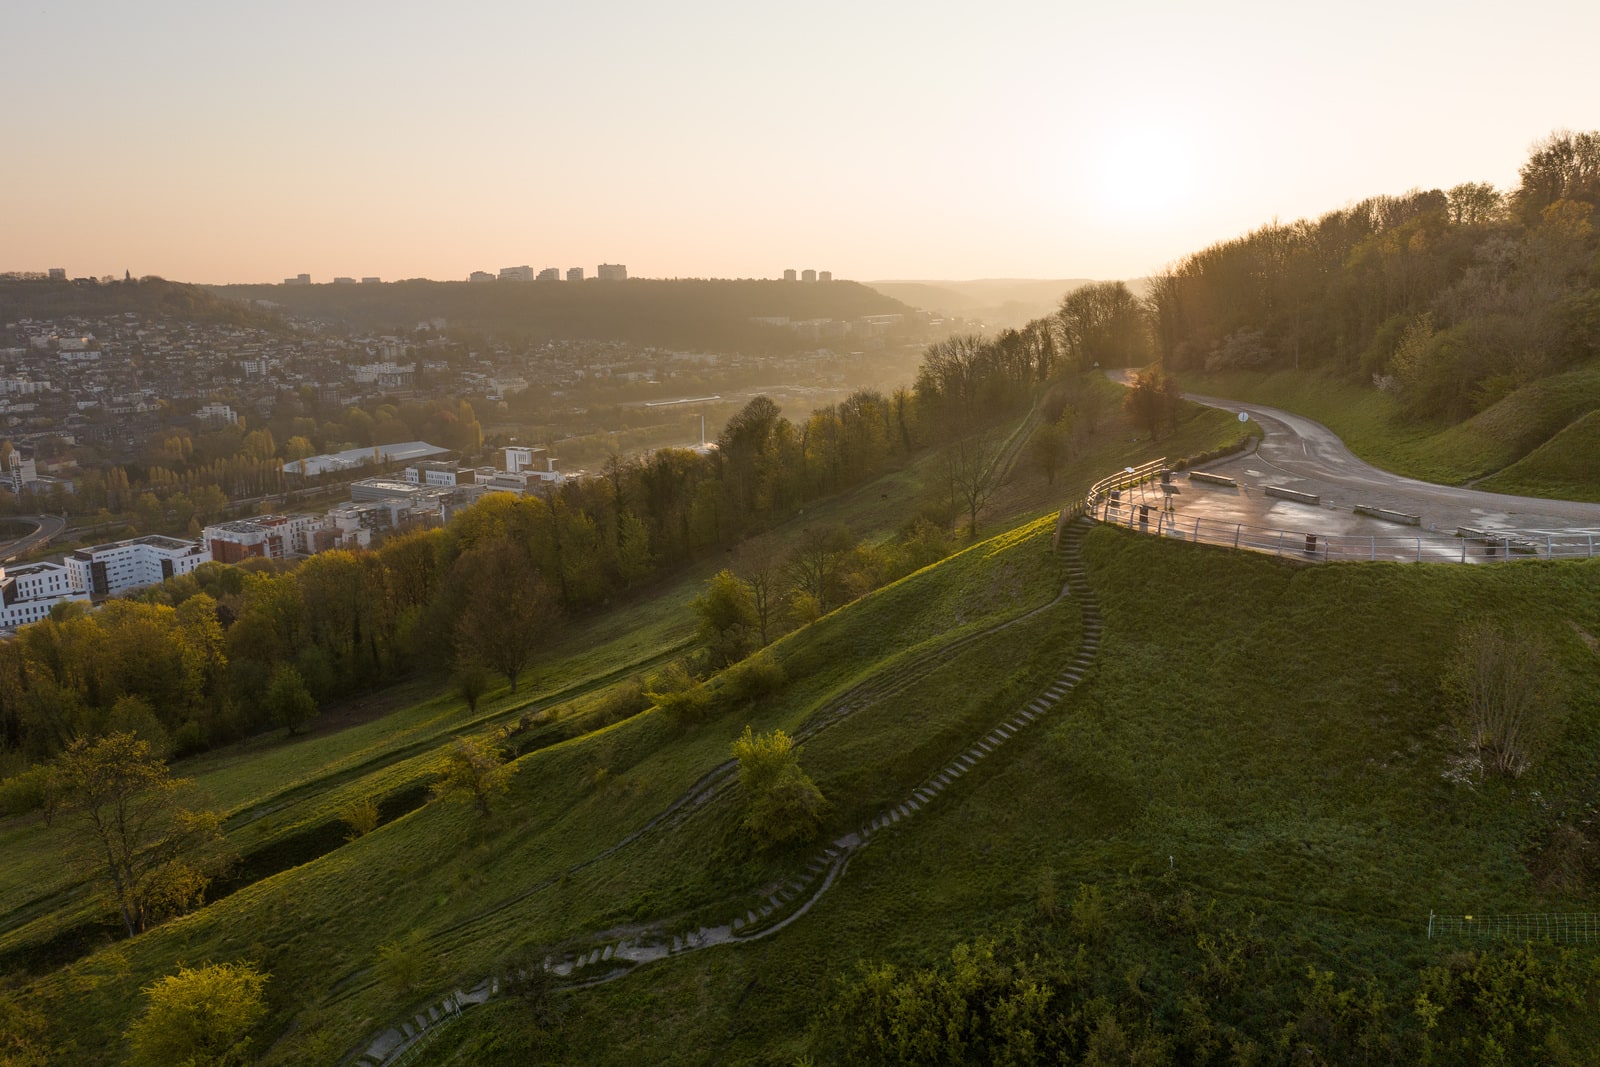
<point>28,591</point>
<point>264,536</point>
<point>110,569</point>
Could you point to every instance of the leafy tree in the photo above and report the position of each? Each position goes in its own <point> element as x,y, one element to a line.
<point>782,803</point>
<point>471,682</point>
<point>1152,400</point>
<point>727,619</point>
<point>472,770</point>
<point>200,1017</point>
<point>506,608</point>
<point>288,700</point>
<point>1049,447</point>
<point>151,853</point>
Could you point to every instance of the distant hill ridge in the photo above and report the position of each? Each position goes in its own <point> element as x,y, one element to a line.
<point>689,312</point>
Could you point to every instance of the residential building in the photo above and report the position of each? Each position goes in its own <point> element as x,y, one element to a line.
<point>371,279</point>
<point>790,275</point>
<point>824,275</point>
<point>265,536</point>
<point>523,273</point>
<point>217,415</point>
<point>111,569</point>
<point>612,272</point>
<point>480,276</point>
<point>344,281</point>
<point>549,274</point>
<point>574,274</point>
<point>29,591</point>
<point>808,275</point>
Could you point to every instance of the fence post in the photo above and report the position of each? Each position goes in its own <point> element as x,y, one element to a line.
<point>1372,548</point>
<point>1419,550</point>
<point>1279,551</point>
<point>1237,530</point>
<point>1463,550</point>
<point>1197,533</point>
<point>1430,924</point>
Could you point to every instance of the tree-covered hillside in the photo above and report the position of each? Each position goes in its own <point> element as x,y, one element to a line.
<point>1449,299</point>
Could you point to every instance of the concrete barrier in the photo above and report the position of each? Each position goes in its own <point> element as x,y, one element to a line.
<point>1292,494</point>
<point>1495,541</point>
<point>1388,516</point>
<point>1212,479</point>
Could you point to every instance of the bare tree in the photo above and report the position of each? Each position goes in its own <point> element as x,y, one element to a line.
<point>1504,693</point>
<point>759,564</point>
<point>973,467</point>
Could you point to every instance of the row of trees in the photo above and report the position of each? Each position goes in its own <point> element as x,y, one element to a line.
<point>197,661</point>
<point>1451,298</point>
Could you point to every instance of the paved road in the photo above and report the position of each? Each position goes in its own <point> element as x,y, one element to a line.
<point>48,527</point>
<point>1297,453</point>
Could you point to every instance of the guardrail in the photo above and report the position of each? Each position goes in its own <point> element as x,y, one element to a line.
<point>1139,498</point>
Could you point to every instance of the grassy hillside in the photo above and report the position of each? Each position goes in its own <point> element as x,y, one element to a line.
<point>1489,443</point>
<point>1260,761</point>
<point>1563,466</point>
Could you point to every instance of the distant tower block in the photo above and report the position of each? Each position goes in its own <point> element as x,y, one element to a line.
<point>612,272</point>
<point>825,276</point>
<point>808,275</point>
<point>574,274</point>
<point>549,274</point>
<point>790,275</point>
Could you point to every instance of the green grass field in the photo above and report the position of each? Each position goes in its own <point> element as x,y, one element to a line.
<point>1266,737</point>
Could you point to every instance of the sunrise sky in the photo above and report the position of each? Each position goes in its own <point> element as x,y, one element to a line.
<point>222,142</point>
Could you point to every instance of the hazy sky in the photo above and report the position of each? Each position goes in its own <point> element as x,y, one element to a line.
<point>217,141</point>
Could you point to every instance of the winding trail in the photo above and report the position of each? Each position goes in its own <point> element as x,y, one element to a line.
<point>609,955</point>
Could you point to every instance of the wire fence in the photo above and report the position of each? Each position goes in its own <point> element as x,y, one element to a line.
<point>1578,928</point>
<point>1140,498</point>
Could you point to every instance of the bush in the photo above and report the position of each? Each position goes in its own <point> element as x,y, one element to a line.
<point>751,679</point>
<point>34,788</point>
<point>200,1016</point>
<point>782,804</point>
<point>361,815</point>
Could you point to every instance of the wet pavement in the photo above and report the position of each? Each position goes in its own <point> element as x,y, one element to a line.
<point>1325,484</point>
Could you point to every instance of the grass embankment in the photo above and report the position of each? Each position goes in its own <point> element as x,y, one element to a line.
<point>1532,419</point>
<point>474,889</point>
<point>1269,738</point>
<point>316,926</point>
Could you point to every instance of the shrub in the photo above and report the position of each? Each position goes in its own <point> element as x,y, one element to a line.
<point>361,815</point>
<point>200,1016</point>
<point>782,804</point>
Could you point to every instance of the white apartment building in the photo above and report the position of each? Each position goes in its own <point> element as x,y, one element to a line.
<point>29,591</point>
<point>111,569</point>
<point>523,273</point>
<point>612,272</point>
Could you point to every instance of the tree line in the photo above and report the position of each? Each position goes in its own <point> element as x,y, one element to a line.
<point>1449,298</point>
<point>229,651</point>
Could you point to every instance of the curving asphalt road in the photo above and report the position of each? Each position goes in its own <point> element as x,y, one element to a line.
<point>48,527</point>
<point>1298,453</point>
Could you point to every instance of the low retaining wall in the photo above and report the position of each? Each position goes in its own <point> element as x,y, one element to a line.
<point>1212,479</point>
<point>1388,516</point>
<point>1292,494</point>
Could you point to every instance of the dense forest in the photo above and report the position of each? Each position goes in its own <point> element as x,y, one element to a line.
<point>1450,299</point>
<point>688,313</point>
